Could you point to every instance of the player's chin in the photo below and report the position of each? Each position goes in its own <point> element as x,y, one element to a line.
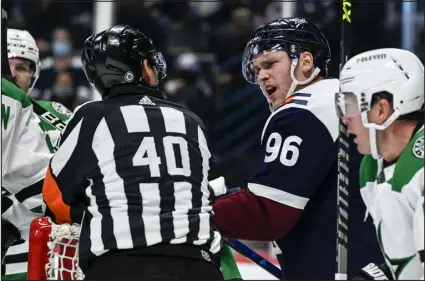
<point>20,84</point>
<point>275,103</point>
<point>363,149</point>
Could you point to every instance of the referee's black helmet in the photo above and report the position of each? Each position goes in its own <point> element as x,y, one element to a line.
<point>114,56</point>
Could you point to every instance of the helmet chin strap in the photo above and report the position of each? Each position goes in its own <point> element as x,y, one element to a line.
<point>32,84</point>
<point>295,82</point>
<point>372,131</point>
<point>372,135</point>
<point>373,145</point>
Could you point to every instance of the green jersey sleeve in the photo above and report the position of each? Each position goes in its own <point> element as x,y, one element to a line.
<point>229,268</point>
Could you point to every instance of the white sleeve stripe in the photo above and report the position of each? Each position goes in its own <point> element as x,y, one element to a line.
<point>64,153</point>
<point>277,195</point>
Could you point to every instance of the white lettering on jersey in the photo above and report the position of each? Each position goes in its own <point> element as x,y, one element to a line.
<point>289,151</point>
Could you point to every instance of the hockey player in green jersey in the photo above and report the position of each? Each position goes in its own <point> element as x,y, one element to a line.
<point>25,68</point>
<point>381,100</point>
<point>25,156</point>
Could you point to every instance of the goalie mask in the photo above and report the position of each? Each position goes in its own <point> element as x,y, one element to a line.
<point>397,73</point>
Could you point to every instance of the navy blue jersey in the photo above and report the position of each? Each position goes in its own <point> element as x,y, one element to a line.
<point>291,198</point>
<point>298,168</point>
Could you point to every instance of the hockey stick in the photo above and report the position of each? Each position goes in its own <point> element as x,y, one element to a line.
<point>254,257</point>
<point>48,116</point>
<point>343,158</point>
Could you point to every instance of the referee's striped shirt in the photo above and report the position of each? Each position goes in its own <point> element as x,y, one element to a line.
<point>139,166</point>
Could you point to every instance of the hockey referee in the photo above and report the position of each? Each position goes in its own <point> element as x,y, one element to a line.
<point>137,166</point>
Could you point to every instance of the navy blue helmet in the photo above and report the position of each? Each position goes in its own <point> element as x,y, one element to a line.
<point>114,57</point>
<point>293,35</point>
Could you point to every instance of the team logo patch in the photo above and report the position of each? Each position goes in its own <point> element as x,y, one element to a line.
<point>418,147</point>
<point>61,109</point>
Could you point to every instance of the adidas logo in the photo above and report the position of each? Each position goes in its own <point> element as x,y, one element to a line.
<point>146,101</point>
<point>205,255</point>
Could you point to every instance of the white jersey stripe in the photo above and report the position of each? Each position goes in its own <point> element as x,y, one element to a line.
<point>103,147</point>
<point>97,246</point>
<point>61,157</point>
<point>151,211</point>
<point>135,118</point>
<point>204,225</point>
<point>183,202</point>
<point>278,195</point>
<point>173,120</point>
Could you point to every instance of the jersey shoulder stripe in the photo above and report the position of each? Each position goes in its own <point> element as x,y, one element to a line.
<point>14,92</point>
<point>319,99</point>
<point>297,98</point>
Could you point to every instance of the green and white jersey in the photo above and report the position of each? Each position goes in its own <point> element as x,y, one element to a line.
<point>16,259</point>
<point>394,196</point>
<point>60,112</point>
<point>25,156</point>
<point>26,152</point>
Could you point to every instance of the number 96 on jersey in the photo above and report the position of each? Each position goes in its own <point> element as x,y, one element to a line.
<point>287,150</point>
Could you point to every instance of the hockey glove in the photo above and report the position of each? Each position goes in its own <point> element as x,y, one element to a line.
<point>220,189</point>
<point>218,186</point>
<point>373,271</point>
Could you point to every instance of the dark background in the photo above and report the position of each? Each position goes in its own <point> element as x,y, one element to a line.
<point>202,43</point>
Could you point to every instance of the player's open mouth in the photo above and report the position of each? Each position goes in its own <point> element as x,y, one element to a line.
<point>270,90</point>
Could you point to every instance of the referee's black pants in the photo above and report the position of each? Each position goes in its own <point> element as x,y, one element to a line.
<point>166,262</point>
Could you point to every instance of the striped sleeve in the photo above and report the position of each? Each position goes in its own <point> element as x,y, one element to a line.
<point>65,181</point>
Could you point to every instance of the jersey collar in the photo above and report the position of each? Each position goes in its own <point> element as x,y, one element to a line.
<point>132,89</point>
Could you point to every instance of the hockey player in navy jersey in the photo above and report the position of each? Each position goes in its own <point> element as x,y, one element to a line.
<point>291,198</point>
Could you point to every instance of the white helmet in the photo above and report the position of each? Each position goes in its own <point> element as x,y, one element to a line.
<point>394,71</point>
<point>20,44</point>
